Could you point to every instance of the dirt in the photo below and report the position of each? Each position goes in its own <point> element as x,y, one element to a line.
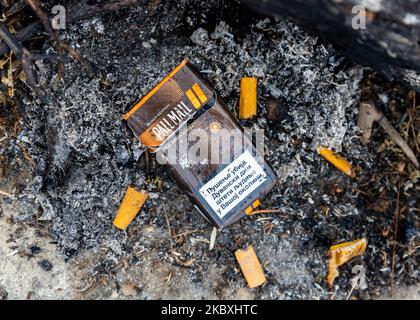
<point>80,157</point>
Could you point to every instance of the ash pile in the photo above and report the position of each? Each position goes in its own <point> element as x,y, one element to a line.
<point>85,156</point>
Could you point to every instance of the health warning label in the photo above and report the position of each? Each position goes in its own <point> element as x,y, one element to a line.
<point>233,184</point>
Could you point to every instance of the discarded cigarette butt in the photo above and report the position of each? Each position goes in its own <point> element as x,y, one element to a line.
<point>248,98</point>
<point>250,266</point>
<point>341,253</point>
<point>249,211</point>
<point>185,99</point>
<point>130,206</point>
<point>338,161</point>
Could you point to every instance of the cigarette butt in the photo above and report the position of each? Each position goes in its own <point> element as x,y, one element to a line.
<point>341,253</point>
<point>250,266</point>
<point>248,98</point>
<point>248,210</point>
<point>129,208</point>
<point>339,162</point>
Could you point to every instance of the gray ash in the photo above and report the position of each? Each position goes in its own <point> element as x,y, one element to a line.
<point>86,157</point>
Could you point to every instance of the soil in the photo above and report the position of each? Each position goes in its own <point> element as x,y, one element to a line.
<point>70,164</point>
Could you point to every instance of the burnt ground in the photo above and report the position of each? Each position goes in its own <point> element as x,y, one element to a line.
<point>67,167</point>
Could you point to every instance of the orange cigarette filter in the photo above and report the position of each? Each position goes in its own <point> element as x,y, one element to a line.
<point>341,253</point>
<point>250,266</point>
<point>248,98</point>
<point>130,207</point>
<point>339,162</point>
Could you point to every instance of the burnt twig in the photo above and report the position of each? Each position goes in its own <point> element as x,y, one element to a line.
<point>36,7</point>
<point>396,223</point>
<point>23,35</point>
<point>90,70</point>
<point>31,76</point>
<point>6,194</point>
<point>17,7</point>
<point>10,40</point>
<point>377,115</point>
<point>50,57</point>
<point>169,229</point>
<point>26,154</point>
